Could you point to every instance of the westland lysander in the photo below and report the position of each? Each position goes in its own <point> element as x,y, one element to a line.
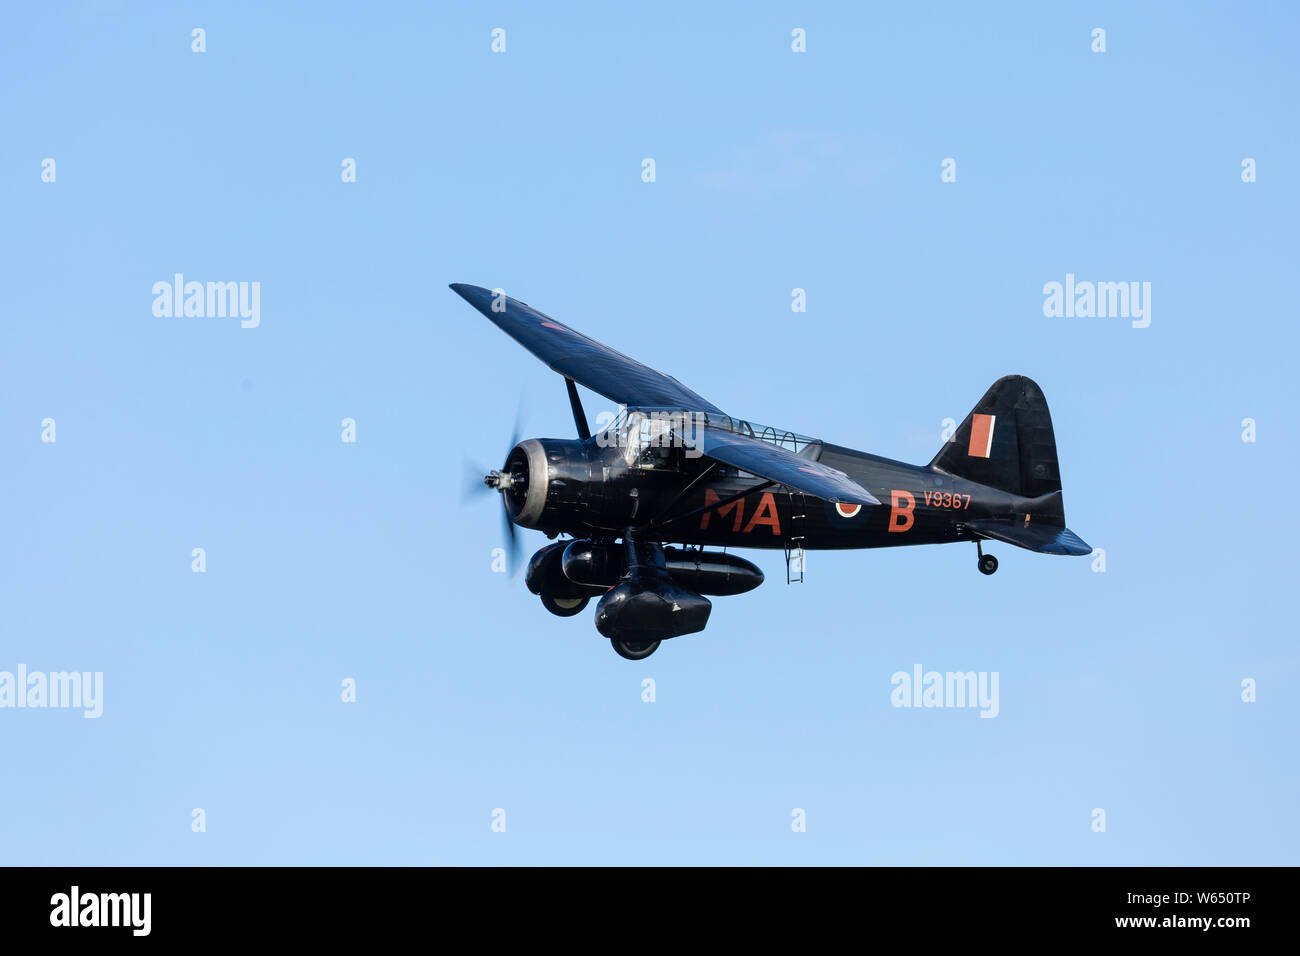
<point>643,503</point>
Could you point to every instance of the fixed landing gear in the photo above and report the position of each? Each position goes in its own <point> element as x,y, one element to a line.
<point>634,650</point>
<point>987,563</point>
<point>563,607</point>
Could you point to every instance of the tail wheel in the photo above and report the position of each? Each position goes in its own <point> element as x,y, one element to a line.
<point>564,607</point>
<point>634,650</point>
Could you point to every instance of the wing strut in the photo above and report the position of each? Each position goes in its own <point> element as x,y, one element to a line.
<point>579,416</point>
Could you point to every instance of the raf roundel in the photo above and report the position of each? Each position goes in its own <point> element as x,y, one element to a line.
<point>843,516</point>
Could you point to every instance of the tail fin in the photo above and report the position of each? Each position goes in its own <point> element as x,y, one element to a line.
<point>1006,442</point>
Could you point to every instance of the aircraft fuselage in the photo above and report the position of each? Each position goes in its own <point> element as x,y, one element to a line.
<point>594,492</point>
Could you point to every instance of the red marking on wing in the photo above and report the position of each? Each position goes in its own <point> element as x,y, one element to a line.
<point>552,325</point>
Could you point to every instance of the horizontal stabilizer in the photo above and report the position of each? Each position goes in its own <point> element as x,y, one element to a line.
<point>1023,533</point>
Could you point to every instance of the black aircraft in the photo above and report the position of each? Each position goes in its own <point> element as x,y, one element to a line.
<point>673,467</point>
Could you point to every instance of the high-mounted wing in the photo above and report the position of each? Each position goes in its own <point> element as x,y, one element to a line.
<point>628,382</point>
<point>781,465</point>
<point>586,361</point>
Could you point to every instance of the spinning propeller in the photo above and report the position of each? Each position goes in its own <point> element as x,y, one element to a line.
<point>511,480</point>
<point>504,482</point>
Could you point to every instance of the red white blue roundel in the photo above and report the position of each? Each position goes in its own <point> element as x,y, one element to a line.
<point>841,515</point>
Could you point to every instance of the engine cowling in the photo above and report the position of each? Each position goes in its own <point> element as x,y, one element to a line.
<point>549,484</point>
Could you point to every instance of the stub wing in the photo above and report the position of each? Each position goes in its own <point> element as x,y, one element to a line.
<point>583,359</point>
<point>781,465</point>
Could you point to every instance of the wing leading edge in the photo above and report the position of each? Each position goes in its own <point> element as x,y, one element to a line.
<point>588,362</point>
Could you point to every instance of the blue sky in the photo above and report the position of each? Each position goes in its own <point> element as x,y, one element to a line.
<point>774,170</point>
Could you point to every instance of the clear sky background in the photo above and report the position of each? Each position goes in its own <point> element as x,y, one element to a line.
<point>1118,690</point>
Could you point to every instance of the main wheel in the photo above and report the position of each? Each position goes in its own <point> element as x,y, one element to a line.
<point>635,650</point>
<point>988,564</point>
<point>564,607</point>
